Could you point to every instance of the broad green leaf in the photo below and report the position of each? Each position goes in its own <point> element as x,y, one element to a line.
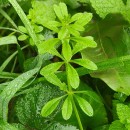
<point>123,112</point>
<point>105,7</point>
<point>108,47</point>
<point>8,40</point>
<point>63,9</point>
<point>50,106</point>
<point>49,73</point>
<point>73,77</point>
<point>117,125</point>
<point>47,46</point>
<point>85,106</point>
<point>41,12</point>
<point>67,108</point>
<point>66,50</point>
<point>28,106</point>
<point>85,63</point>
<point>58,12</point>
<point>10,90</point>
<point>58,126</point>
<point>63,33</point>
<point>82,43</point>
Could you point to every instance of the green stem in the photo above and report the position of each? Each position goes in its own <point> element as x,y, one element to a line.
<point>68,83</point>
<point>25,20</point>
<point>77,114</point>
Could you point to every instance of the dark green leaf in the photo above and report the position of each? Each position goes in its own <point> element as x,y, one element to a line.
<point>28,106</point>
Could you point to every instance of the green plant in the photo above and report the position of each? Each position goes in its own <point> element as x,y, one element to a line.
<point>58,61</point>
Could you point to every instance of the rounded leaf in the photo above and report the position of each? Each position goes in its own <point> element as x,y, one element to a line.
<point>67,108</point>
<point>85,106</point>
<point>50,106</point>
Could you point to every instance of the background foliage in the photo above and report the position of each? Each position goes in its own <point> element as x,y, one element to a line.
<point>33,51</point>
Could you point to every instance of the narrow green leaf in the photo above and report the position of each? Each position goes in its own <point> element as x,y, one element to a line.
<point>58,12</point>
<point>82,43</point>
<point>52,25</point>
<point>47,46</point>
<point>6,62</point>
<point>85,106</point>
<point>73,77</point>
<point>63,9</point>
<point>86,63</point>
<point>25,20</point>
<point>77,27</point>
<point>49,73</point>
<point>66,50</point>
<point>67,108</point>
<point>8,17</point>
<point>92,95</point>
<point>73,31</point>
<point>50,106</point>
<point>75,17</point>
<point>63,33</point>
<point>8,40</point>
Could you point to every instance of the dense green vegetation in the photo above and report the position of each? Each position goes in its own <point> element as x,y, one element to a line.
<point>64,65</point>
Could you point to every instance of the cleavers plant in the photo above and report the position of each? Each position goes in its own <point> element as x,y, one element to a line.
<point>65,46</point>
